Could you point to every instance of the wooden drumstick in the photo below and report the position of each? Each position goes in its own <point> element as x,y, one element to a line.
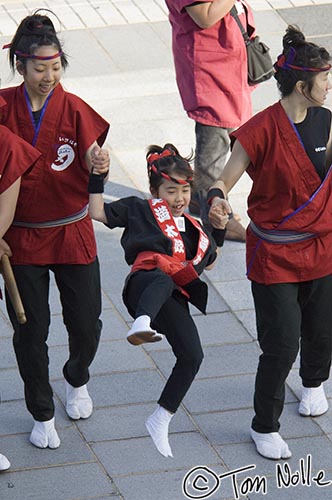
<point>12,289</point>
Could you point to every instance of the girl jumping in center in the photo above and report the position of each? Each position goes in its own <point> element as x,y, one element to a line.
<point>167,250</point>
<point>52,231</point>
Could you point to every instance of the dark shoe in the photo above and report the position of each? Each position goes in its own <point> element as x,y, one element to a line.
<point>235,231</point>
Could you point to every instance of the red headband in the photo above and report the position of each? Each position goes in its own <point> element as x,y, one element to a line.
<point>33,56</point>
<point>152,167</point>
<point>157,156</point>
<point>41,58</point>
<point>284,63</point>
<point>168,177</point>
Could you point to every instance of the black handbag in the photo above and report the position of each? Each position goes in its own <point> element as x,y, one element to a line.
<point>260,66</point>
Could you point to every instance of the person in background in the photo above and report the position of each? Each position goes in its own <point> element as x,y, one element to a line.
<point>52,231</point>
<point>287,151</point>
<point>210,61</point>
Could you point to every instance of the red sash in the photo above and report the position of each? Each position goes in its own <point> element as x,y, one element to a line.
<point>177,266</point>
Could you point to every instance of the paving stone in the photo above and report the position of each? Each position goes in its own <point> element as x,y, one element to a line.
<point>232,427</point>
<point>125,456</point>
<point>16,419</point>
<point>83,41</point>
<point>221,328</point>
<point>238,456</point>
<point>6,330</point>
<point>312,20</point>
<point>119,356</point>
<point>236,294</point>
<point>73,449</point>
<point>130,11</point>
<point>230,266</point>
<point>121,388</point>
<point>109,13</point>
<point>7,355</point>
<point>142,50</point>
<point>88,14</point>
<point>248,320</point>
<point>11,385</point>
<point>224,393</point>
<point>153,486</point>
<point>57,483</point>
<point>127,422</point>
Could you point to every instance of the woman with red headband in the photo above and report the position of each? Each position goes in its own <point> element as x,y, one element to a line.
<point>167,250</point>
<point>286,150</point>
<point>52,231</point>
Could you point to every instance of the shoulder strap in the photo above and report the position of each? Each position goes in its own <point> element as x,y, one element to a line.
<point>233,13</point>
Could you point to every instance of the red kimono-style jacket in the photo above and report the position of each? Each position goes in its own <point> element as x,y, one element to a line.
<point>287,195</point>
<point>56,188</point>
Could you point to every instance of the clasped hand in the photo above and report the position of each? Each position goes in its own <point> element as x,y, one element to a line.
<point>100,161</point>
<point>219,213</point>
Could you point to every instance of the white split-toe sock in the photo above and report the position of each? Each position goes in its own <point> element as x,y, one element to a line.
<point>313,402</point>
<point>44,435</point>
<point>141,331</point>
<point>4,462</point>
<point>157,426</point>
<point>270,445</point>
<point>78,402</point>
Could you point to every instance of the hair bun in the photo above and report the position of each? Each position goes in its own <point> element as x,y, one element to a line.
<point>37,24</point>
<point>293,37</point>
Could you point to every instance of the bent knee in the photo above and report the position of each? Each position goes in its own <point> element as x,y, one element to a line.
<point>194,360</point>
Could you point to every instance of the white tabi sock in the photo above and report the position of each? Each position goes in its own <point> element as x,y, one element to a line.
<point>157,426</point>
<point>4,462</point>
<point>78,404</point>
<point>141,331</point>
<point>313,402</point>
<point>44,435</point>
<point>270,445</point>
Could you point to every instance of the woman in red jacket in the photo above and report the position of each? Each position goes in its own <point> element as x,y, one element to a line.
<point>52,231</point>
<point>287,151</point>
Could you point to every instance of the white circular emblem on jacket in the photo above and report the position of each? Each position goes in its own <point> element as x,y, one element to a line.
<point>65,158</point>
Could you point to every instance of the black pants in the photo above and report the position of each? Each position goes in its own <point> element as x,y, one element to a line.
<point>153,293</point>
<point>80,294</point>
<point>289,316</point>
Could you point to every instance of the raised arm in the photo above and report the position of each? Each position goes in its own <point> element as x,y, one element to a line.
<point>98,162</point>
<point>96,207</point>
<point>206,14</point>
